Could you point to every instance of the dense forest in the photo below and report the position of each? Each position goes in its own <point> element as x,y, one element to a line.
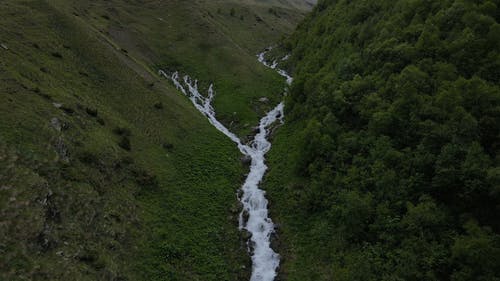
<point>392,136</point>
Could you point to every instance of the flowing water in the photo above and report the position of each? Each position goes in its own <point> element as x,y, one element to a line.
<point>254,217</point>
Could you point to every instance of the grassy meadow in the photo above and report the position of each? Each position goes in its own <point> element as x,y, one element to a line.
<point>213,41</point>
<point>106,171</point>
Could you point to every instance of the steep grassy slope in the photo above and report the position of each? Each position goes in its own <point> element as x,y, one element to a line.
<point>388,165</point>
<point>214,41</point>
<point>106,172</point>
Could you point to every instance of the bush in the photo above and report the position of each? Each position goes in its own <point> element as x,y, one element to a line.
<point>88,158</point>
<point>168,146</point>
<point>158,105</point>
<point>122,131</point>
<point>144,178</point>
<point>67,109</point>
<point>57,55</point>
<point>91,111</point>
<point>125,143</point>
<point>100,121</point>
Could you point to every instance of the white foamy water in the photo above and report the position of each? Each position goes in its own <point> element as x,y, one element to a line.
<point>274,65</point>
<point>265,261</point>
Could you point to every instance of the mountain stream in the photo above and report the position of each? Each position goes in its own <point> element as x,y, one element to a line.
<point>254,217</point>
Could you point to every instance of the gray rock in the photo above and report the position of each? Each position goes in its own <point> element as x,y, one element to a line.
<point>245,217</point>
<point>239,193</point>
<point>62,149</point>
<point>56,124</point>
<point>57,105</point>
<point>236,208</point>
<point>4,46</point>
<point>246,160</point>
<point>275,242</point>
<point>246,235</point>
<point>264,100</point>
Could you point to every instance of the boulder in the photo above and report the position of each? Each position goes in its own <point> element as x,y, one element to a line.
<point>246,160</point>
<point>246,235</point>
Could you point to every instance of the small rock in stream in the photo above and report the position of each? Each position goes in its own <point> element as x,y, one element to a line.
<point>245,217</point>
<point>246,235</point>
<point>246,160</point>
<point>236,208</point>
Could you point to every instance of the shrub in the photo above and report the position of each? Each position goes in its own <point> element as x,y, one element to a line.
<point>144,178</point>
<point>158,105</point>
<point>122,131</point>
<point>67,109</point>
<point>57,55</point>
<point>100,121</point>
<point>91,111</point>
<point>125,143</point>
<point>168,146</point>
<point>88,158</point>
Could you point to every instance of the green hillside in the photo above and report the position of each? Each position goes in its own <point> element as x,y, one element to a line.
<point>107,172</point>
<point>212,40</point>
<point>388,165</point>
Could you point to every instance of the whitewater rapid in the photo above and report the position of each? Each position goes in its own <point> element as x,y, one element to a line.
<point>265,261</point>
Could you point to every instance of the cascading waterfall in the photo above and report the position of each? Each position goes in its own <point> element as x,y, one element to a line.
<point>274,65</point>
<point>264,260</point>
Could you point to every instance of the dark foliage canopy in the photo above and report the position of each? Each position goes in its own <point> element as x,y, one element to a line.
<point>400,147</point>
